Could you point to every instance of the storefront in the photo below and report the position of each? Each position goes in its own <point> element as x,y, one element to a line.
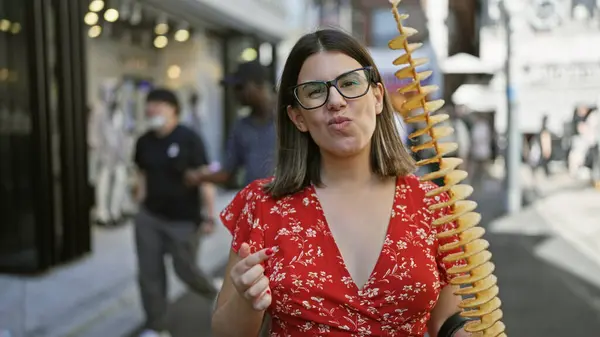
<point>42,161</point>
<point>54,65</point>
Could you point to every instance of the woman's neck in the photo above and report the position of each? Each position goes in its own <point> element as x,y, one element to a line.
<point>347,172</point>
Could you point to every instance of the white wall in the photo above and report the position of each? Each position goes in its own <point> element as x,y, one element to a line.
<point>109,60</point>
<point>200,62</point>
<point>201,71</point>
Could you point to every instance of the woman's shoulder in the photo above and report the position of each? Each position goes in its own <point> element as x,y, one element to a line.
<point>257,193</point>
<point>256,189</point>
<point>415,184</point>
<point>252,195</point>
<point>254,216</point>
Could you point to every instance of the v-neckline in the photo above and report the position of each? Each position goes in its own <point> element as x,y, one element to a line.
<point>345,271</point>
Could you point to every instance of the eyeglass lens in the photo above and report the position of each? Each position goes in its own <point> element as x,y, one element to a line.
<point>353,84</point>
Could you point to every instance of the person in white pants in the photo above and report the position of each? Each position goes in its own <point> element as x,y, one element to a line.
<point>112,153</point>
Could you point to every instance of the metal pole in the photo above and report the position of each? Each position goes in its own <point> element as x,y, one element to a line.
<point>513,153</point>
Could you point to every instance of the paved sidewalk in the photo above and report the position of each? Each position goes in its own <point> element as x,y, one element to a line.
<point>97,295</point>
<point>575,216</point>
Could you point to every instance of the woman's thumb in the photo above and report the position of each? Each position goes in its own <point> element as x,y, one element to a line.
<point>244,250</point>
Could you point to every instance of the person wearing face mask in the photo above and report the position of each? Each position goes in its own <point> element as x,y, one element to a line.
<point>169,215</point>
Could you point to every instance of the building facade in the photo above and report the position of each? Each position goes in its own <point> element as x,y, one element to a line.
<point>552,73</point>
<point>56,60</point>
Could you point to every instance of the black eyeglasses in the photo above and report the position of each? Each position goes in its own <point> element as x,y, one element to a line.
<point>352,84</point>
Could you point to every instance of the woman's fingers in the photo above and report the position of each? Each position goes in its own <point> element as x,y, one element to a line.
<point>252,275</point>
<point>251,260</point>
<point>258,288</point>
<point>258,257</point>
<point>264,301</point>
<point>244,251</point>
<point>249,278</point>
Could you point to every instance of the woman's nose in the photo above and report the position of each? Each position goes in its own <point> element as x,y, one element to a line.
<point>335,101</point>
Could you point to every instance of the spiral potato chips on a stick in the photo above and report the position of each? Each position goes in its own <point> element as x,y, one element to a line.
<point>478,285</point>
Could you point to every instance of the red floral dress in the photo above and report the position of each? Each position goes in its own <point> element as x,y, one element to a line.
<point>313,293</point>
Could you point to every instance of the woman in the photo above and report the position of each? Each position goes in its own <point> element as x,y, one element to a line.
<point>340,241</point>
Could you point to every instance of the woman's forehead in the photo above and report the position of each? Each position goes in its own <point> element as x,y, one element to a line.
<point>325,66</point>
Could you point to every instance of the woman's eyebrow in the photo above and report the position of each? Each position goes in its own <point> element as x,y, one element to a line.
<point>345,72</point>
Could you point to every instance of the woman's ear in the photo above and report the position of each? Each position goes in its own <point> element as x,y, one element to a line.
<point>296,118</point>
<point>378,92</point>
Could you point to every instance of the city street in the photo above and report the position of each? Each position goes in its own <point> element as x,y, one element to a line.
<point>548,288</point>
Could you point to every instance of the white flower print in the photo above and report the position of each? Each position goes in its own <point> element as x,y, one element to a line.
<point>312,295</point>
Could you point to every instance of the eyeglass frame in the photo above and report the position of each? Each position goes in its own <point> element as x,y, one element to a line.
<point>332,83</point>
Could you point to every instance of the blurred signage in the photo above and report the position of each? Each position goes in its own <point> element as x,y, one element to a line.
<point>566,74</point>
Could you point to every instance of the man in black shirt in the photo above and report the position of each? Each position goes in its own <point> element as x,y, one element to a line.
<point>170,211</point>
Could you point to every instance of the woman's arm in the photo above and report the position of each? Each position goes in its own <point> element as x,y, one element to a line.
<point>234,316</point>
<point>446,306</point>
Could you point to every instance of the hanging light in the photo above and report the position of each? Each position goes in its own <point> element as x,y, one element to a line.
<point>91,18</point>
<point>161,41</point>
<point>174,72</point>
<point>16,28</point>
<point>249,54</point>
<point>111,15</point>
<point>183,32</point>
<point>162,25</point>
<point>161,29</point>
<point>94,31</point>
<point>182,35</point>
<point>4,25</point>
<point>96,5</point>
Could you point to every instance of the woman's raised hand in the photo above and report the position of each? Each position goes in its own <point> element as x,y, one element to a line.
<point>249,279</point>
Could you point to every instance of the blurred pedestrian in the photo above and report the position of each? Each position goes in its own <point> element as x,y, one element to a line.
<point>251,145</point>
<point>170,214</point>
<point>545,142</point>
<point>481,149</point>
<point>461,134</point>
<point>594,125</point>
<point>581,140</point>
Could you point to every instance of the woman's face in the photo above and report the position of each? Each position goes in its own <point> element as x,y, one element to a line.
<point>341,126</point>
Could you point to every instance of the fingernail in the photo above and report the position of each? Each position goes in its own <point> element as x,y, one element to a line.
<point>268,291</point>
<point>269,251</point>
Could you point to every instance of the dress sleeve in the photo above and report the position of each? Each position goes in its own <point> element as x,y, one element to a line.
<point>436,214</point>
<point>242,217</point>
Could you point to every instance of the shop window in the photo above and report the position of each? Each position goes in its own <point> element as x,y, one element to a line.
<point>17,232</point>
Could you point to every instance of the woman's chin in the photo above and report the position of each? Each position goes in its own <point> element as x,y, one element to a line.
<point>347,150</point>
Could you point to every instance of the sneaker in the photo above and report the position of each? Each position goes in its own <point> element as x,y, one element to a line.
<point>152,333</point>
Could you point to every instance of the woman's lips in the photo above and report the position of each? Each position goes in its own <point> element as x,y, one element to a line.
<point>339,122</point>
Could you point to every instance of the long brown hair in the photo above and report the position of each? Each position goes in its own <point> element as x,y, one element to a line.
<point>298,156</point>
